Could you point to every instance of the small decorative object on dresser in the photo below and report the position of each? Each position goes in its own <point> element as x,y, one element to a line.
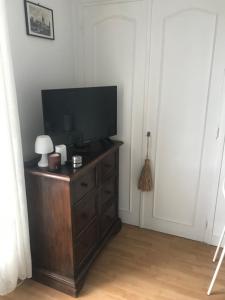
<point>39,20</point>
<point>72,215</point>
<point>54,161</point>
<point>76,161</point>
<point>62,150</point>
<point>44,146</point>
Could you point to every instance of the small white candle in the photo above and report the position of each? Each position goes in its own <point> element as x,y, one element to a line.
<point>62,150</point>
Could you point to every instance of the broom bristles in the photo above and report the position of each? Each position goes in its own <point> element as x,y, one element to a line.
<point>145,180</point>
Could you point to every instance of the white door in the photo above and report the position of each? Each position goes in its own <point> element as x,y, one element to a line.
<point>185,92</point>
<point>112,47</point>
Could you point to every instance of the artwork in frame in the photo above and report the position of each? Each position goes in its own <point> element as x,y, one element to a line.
<point>39,20</point>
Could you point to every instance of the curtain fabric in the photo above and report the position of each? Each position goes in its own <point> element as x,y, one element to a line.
<point>15,259</point>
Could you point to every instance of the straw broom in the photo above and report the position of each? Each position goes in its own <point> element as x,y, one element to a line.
<point>145,181</point>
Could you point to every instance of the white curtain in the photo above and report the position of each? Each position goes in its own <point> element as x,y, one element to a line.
<point>15,260</point>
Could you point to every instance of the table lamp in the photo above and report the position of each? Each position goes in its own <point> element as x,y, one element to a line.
<point>43,145</point>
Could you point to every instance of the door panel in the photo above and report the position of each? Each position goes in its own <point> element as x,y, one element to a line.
<point>188,40</point>
<point>183,112</point>
<point>114,51</point>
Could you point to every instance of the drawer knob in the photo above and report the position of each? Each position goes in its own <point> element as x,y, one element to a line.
<point>84,184</point>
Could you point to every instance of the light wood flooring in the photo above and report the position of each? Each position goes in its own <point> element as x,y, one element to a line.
<point>140,264</point>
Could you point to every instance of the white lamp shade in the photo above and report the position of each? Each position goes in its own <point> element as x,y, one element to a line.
<point>43,144</point>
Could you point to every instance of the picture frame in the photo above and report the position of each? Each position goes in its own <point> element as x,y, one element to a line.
<point>39,20</point>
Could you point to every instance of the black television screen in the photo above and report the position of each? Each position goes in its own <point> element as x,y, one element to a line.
<point>80,115</point>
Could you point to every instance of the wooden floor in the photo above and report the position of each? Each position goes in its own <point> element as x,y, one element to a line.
<point>142,265</point>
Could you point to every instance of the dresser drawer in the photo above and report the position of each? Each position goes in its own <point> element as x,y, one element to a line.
<point>84,211</point>
<point>86,243</point>
<point>107,193</point>
<point>83,185</point>
<point>108,165</point>
<point>107,219</point>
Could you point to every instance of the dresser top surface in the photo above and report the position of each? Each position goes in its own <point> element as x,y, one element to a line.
<point>67,172</point>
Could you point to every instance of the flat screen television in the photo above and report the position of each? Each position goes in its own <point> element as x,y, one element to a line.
<point>80,115</point>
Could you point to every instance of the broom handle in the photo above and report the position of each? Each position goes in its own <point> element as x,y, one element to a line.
<point>148,137</point>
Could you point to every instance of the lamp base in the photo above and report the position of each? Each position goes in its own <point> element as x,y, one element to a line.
<point>43,163</point>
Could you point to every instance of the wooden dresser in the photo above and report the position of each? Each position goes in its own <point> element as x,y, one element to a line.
<point>72,215</point>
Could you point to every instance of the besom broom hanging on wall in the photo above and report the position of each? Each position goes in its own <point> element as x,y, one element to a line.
<point>145,181</point>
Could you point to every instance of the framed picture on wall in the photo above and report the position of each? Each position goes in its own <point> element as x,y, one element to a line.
<point>39,20</point>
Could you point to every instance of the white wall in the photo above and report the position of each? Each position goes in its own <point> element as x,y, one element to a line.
<point>39,64</point>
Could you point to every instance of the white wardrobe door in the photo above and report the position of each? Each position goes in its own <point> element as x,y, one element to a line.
<point>113,52</point>
<point>185,102</point>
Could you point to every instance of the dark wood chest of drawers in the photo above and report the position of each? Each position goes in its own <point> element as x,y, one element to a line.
<point>72,215</point>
